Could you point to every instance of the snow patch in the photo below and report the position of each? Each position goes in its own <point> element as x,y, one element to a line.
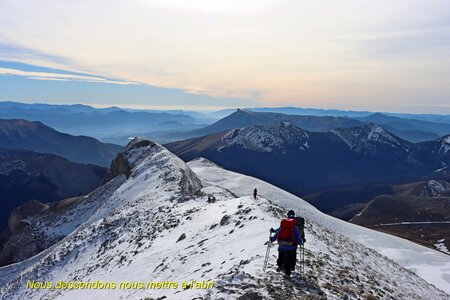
<point>434,188</point>
<point>441,246</point>
<point>366,137</point>
<point>445,145</point>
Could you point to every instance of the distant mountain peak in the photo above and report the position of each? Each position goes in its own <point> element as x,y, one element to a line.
<point>267,138</point>
<point>379,115</point>
<point>244,111</point>
<point>365,138</point>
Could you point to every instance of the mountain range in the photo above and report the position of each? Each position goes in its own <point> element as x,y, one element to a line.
<point>37,137</point>
<point>408,129</point>
<point>243,118</point>
<point>341,172</point>
<point>445,119</point>
<point>117,125</point>
<point>152,223</point>
<point>103,123</point>
<point>302,161</point>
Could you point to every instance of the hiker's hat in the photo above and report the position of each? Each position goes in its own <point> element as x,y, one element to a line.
<point>291,214</point>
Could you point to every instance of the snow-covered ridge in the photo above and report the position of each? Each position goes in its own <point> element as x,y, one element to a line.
<point>266,138</point>
<point>157,225</point>
<point>131,209</point>
<point>444,144</point>
<point>430,265</point>
<point>145,158</point>
<point>365,138</point>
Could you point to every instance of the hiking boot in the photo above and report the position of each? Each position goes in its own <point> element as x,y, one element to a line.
<point>278,269</point>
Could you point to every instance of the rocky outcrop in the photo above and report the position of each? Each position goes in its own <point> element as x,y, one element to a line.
<point>121,165</point>
<point>118,166</point>
<point>31,208</point>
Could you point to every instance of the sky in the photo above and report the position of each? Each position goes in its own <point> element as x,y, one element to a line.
<point>383,55</point>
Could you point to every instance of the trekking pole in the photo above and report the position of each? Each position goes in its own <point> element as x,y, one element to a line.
<point>300,258</point>
<point>303,259</point>
<point>267,252</point>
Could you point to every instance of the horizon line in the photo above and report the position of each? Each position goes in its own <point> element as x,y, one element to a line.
<point>207,108</point>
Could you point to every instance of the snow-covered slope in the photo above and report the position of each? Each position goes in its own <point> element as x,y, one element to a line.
<point>444,146</point>
<point>266,138</point>
<point>368,137</point>
<point>50,225</point>
<point>432,266</point>
<point>157,225</point>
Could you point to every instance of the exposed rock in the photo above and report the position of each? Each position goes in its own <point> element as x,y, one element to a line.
<point>250,296</point>
<point>138,143</point>
<point>119,165</point>
<point>225,220</point>
<point>30,208</point>
<point>182,237</point>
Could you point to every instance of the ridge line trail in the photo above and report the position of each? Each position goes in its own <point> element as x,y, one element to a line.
<point>431,265</point>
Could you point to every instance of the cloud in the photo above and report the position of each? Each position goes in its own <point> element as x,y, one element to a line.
<point>354,53</point>
<point>197,90</point>
<point>11,52</point>
<point>59,76</point>
<point>233,7</point>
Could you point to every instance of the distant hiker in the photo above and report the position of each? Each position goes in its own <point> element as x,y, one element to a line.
<point>211,199</point>
<point>255,193</point>
<point>288,237</point>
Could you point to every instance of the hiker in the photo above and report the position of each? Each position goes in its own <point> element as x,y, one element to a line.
<point>288,237</point>
<point>255,193</point>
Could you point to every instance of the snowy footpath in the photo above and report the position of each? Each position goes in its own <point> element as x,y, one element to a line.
<point>428,264</point>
